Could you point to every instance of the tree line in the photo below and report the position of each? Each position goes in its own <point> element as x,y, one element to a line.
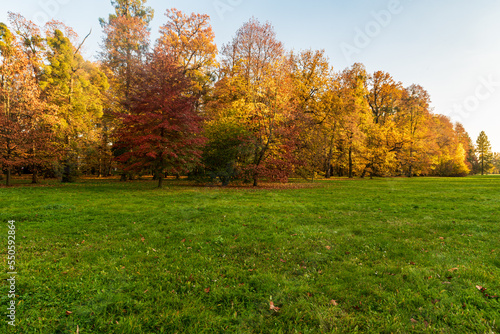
<point>250,110</point>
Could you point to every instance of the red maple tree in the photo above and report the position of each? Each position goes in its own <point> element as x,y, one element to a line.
<point>161,132</point>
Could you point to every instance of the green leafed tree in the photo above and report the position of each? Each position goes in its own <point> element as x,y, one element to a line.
<point>484,153</point>
<point>74,87</point>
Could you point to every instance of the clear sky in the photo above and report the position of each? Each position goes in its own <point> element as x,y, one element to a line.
<point>450,47</point>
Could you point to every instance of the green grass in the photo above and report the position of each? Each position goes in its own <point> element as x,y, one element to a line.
<point>128,258</point>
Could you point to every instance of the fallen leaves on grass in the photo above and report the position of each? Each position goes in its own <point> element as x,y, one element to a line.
<point>333,302</point>
<point>69,312</point>
<point>483,290</point>
<point>272,307</point>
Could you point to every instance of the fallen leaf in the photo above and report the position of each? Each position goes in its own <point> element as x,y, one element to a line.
<point>333,302</point>
<point>441,238</point>
<point>328,247</point>
<point>142,239</point>
<point>480,288</point>
<point>69,312</point>
<point>282,260</point>
<point>146,291</point>
<point>272,307</point>
<point>412,263</point>
<point>452,269</point>
<point>207,290</point>
<point>413,320</point>
<point>183,240</point>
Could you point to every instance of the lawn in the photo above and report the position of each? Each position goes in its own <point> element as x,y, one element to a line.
<point>343,256</point>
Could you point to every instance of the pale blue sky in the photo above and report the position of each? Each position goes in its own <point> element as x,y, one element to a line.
<point>451,48</point>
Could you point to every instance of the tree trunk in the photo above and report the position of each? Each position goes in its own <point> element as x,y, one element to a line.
<point>328,172</point>
<point>350,162</point>
<point>255,180</point>
<point>8,177</point>
<point>34,178</point>
<point>160,180</point>
<point>410,171</point>
<point>364,173</point>
<point>66,177</point>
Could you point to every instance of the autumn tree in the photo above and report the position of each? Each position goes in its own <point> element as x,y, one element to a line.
<point>355,116</point>
<point>124,49</point>
<point>42,147</point>
<point>484,153</point>
<point>414,121</point>
<point>449,157</point>
<point>20,107</point>
<point>256,61</point>
<point>74,87</point>
<point>470,151</point>
<point>496,163</point>
<point>317,102</point>
<point>189,40</point>
<point>384,140</point>
<point>162,127</point>
<point>126,42</point>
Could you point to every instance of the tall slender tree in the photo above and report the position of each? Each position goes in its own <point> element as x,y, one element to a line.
<point>484,153</point>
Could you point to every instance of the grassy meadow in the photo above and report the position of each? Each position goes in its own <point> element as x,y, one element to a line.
<point>395,255</point>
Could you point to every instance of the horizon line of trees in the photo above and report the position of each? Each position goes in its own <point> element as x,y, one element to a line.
<point>249,111</point>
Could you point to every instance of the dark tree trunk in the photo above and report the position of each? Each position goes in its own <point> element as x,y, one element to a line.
<point>66,177</point>
<point>350,162</point>
<point>8,177</point>
<point>410,170</point>
<point>160,180</point>
<point>34,178</point>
